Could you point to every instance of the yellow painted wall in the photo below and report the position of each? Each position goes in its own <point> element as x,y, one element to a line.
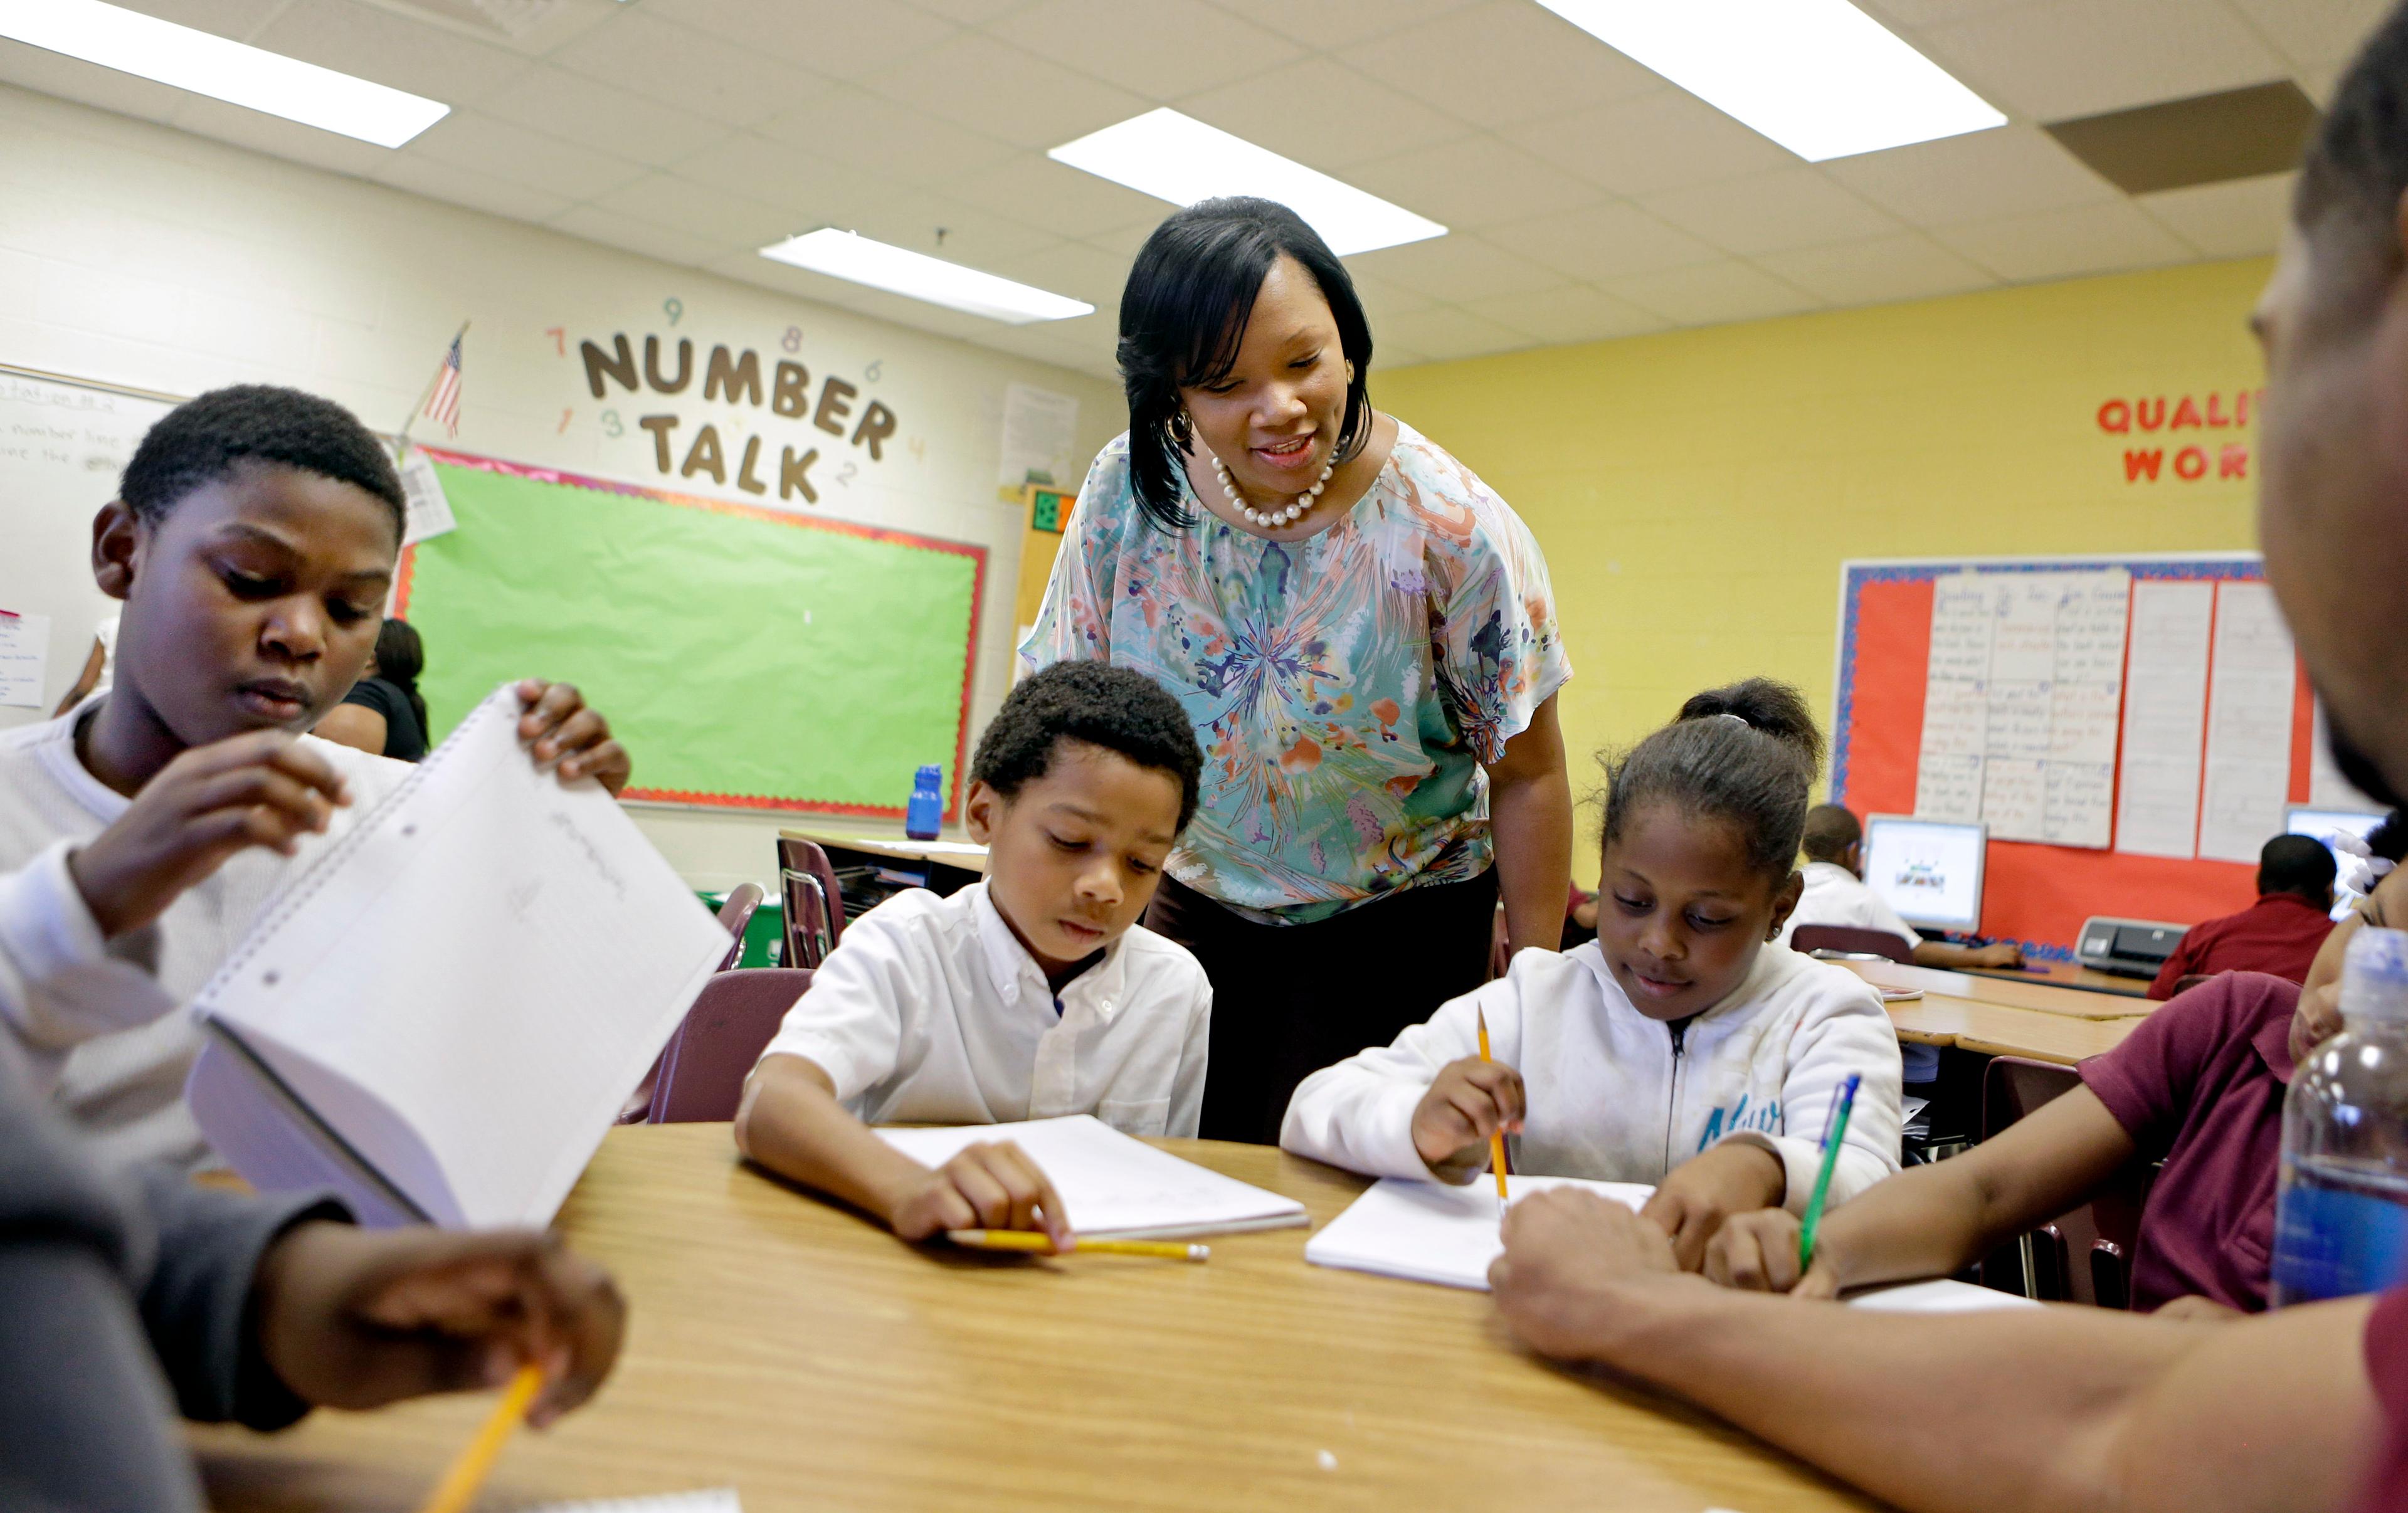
<point>1696,491</point>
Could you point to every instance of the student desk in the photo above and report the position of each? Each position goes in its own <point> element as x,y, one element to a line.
<point>803,1355</point>
<point>1999,992</point>
<point>2069,975</point>
<point>1991,1017</point>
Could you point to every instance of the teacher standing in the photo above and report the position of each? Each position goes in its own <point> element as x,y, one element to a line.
<point>1364,636</point>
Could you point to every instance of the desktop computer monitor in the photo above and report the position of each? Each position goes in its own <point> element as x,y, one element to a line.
<point>2324,824</point>
<point>1928,870</point>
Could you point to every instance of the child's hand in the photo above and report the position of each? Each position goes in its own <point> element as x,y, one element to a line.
<point>262,788</point>
<point>561,727</point>
<point>356,1318</point>
<point>1702,1192</point>
<point>1470,1101</point>
<point>2000,953</point>
<point>983,1186</point>
<point>1758,1253</point>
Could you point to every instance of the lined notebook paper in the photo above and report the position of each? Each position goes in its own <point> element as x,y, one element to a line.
<point>1116,1186</point>
<point>721,1500</point>
<point>443,1014</point>
<point>1429,1232</point>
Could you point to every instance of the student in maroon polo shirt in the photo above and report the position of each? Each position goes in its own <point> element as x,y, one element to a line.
<point>2277,935</point>
<point>2303,1408</point>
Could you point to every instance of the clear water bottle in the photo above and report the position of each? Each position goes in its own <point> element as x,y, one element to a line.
<point>925,814</point>
<point>2341,1221</point>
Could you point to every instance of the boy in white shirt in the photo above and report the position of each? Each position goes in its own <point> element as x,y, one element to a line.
<point>1836,894</point>
<point>1031,995</point>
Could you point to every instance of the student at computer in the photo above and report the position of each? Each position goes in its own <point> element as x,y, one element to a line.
<point>1030,995</point>
<point>2279,934</point>
<point>1835,894</point>
<point>1680,1047</point>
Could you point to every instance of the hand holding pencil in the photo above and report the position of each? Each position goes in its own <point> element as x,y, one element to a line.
<point>1471,1106</point>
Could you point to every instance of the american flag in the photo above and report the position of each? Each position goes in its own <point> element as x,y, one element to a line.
<point>443,403</point>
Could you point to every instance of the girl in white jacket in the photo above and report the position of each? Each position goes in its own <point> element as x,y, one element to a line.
<point>1680,1048</point>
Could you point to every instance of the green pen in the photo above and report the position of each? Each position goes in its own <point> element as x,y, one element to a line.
<point>1832,1137</point>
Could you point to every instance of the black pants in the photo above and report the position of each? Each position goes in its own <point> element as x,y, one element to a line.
<point>1288,1000</point>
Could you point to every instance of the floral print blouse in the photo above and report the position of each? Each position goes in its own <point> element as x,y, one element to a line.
<point>1346,688</point>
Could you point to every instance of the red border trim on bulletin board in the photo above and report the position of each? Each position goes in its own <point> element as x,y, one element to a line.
<point>778,517</point>
<point>2033,893</point>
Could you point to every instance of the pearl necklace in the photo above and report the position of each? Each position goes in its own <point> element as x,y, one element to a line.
<point>1297,509</point>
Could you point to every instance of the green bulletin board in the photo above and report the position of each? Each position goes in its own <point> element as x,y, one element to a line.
<point>749,657</point>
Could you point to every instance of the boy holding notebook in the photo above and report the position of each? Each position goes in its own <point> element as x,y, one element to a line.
<point>1032,994</point>
<point>254,542</point>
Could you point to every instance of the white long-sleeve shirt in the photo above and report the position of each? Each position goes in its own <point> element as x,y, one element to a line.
<point>101,1023</point>
<point>1620,1098</point>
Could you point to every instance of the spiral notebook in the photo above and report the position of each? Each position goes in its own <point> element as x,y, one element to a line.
<point>442,1015</point>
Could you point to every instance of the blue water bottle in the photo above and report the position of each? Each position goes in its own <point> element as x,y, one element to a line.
<point>2340,1218</point>
<point>925,814</point>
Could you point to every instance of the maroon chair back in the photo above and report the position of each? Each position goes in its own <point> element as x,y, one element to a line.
<point>815,907</point>
<point>732,1021</point>
<point>1850,938</point>
<point>735,916</point>
<point>2084,1256</point>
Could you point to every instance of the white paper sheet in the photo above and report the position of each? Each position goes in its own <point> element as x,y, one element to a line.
<point>2165,712</point>
<point>429,509</point>
<point>1955,701</point>
<point>1940,1295</point>
<point>1114,1185</point>
<point>1429,1232</point>
<point>24,658</point>
<point>719,1500</point>
<point>2251,689</point>
<point>1040,434</point>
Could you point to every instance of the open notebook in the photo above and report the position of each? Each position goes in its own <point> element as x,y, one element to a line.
<point>443,1013</point>
<point>1114,1186</point>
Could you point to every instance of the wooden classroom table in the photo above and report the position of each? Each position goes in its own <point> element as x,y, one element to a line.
<point>2002,992</point>
<point>809,1359</point>
<point>1989,1030</point>
<point>952,854</point>
<point>2069,975</point>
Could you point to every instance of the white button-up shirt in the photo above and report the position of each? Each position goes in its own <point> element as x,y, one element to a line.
<point>930,1011</point>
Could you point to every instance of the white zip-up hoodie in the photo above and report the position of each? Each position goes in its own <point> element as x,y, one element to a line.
<point>1617,1096</point>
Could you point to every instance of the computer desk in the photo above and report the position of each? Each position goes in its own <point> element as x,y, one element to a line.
<point>2049,1024</point>
<point>2068,974</point>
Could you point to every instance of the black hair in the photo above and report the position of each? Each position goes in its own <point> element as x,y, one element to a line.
<point>1747,755</point>
<point>204,439</point>
<point>1830,830</point>
<point>2301,865</point>
<point>1117,709</point>
<point>2389,839</point>
<point>400,657</point>
<point>2356,164</point>
<point>1183,317</point>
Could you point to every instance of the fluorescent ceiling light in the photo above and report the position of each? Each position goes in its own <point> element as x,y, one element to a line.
<point>1179,159</point>
<point>845,254</point>
<point>207,63</point>
<point>1819,77</point>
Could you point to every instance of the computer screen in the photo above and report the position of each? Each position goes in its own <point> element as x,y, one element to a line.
<point>1929,871</point>
<point>2324,824</point>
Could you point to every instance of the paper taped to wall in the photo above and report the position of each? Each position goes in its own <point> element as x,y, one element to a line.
<point>24,658</point>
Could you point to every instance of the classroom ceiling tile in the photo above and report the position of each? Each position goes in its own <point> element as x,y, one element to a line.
<point>456,185</point>
<point>71,79</point>
<point>877,135</point>
<point>814,190</point>
<point>1033,189</point>
<point>2009,170</point>
<point>949,228</point>
<point>360,39</point>
<point>2080,57</point>
<point>1711,293</point>
<point>277,136</point>
<point>2065,244</point>
<point>2309,32</point>
<point>702,210</point>
<point>1472,182</point>
<point>988,85</point>
<point>832,38</point>
<point>1601,242</point>
<point>1905,15</point>
<point>237,19</point>
<point>1124,242</point>
<point>687,70</point>
<point>505,149</point>
<point>1447,333</point>
<point>1501,62</point>
<point>1769,212</point>
<point>2237,220</point>
<point>1323,114</point>
<point>968,12</point>
<point>1381,298</point>
<point>1568,313</point>
<point>1668,139</point>
<point>1067,267</point>
<point>628,233</point>
<point>1330,25</point>
<point>606,119</point>
<point>1908,266</point>
<point>1455,269</point>
<point>1160,50</point>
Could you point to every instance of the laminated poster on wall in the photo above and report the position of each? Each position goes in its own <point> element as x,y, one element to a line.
<point>2247,783</point>
<point>2157,810</point>
<point>1040,436</point>
<point>429,510</point>
<point>24,658</point>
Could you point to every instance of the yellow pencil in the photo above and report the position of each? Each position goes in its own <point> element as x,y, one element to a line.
<point>459,1486</point>
<point>1021,1239</point>
<point>1496,1135</point>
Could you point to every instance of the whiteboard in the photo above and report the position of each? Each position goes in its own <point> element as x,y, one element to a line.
<point>62,446</point>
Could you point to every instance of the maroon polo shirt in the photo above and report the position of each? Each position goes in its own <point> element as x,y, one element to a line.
<point>2199,1085</point>
<point>2386,1369</point>
<point>2278,934</point>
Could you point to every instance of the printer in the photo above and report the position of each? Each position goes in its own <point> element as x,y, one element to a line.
<point>2128,948</point>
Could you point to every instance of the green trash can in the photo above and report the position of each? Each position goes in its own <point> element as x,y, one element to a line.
<point>764,938</point>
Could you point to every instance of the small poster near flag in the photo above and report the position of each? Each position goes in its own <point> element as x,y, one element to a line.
<point>429,510</point>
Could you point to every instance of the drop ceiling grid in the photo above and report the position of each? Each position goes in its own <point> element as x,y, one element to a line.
<point>1588,197</point>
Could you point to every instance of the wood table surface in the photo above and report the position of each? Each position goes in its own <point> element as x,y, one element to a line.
<point>2069,975</point>
<point>807,1358</point>
<point>2030,994</point>
<point>1989,1030</point>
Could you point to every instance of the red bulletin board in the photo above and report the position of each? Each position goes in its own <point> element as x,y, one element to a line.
<point>2034,894</point>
